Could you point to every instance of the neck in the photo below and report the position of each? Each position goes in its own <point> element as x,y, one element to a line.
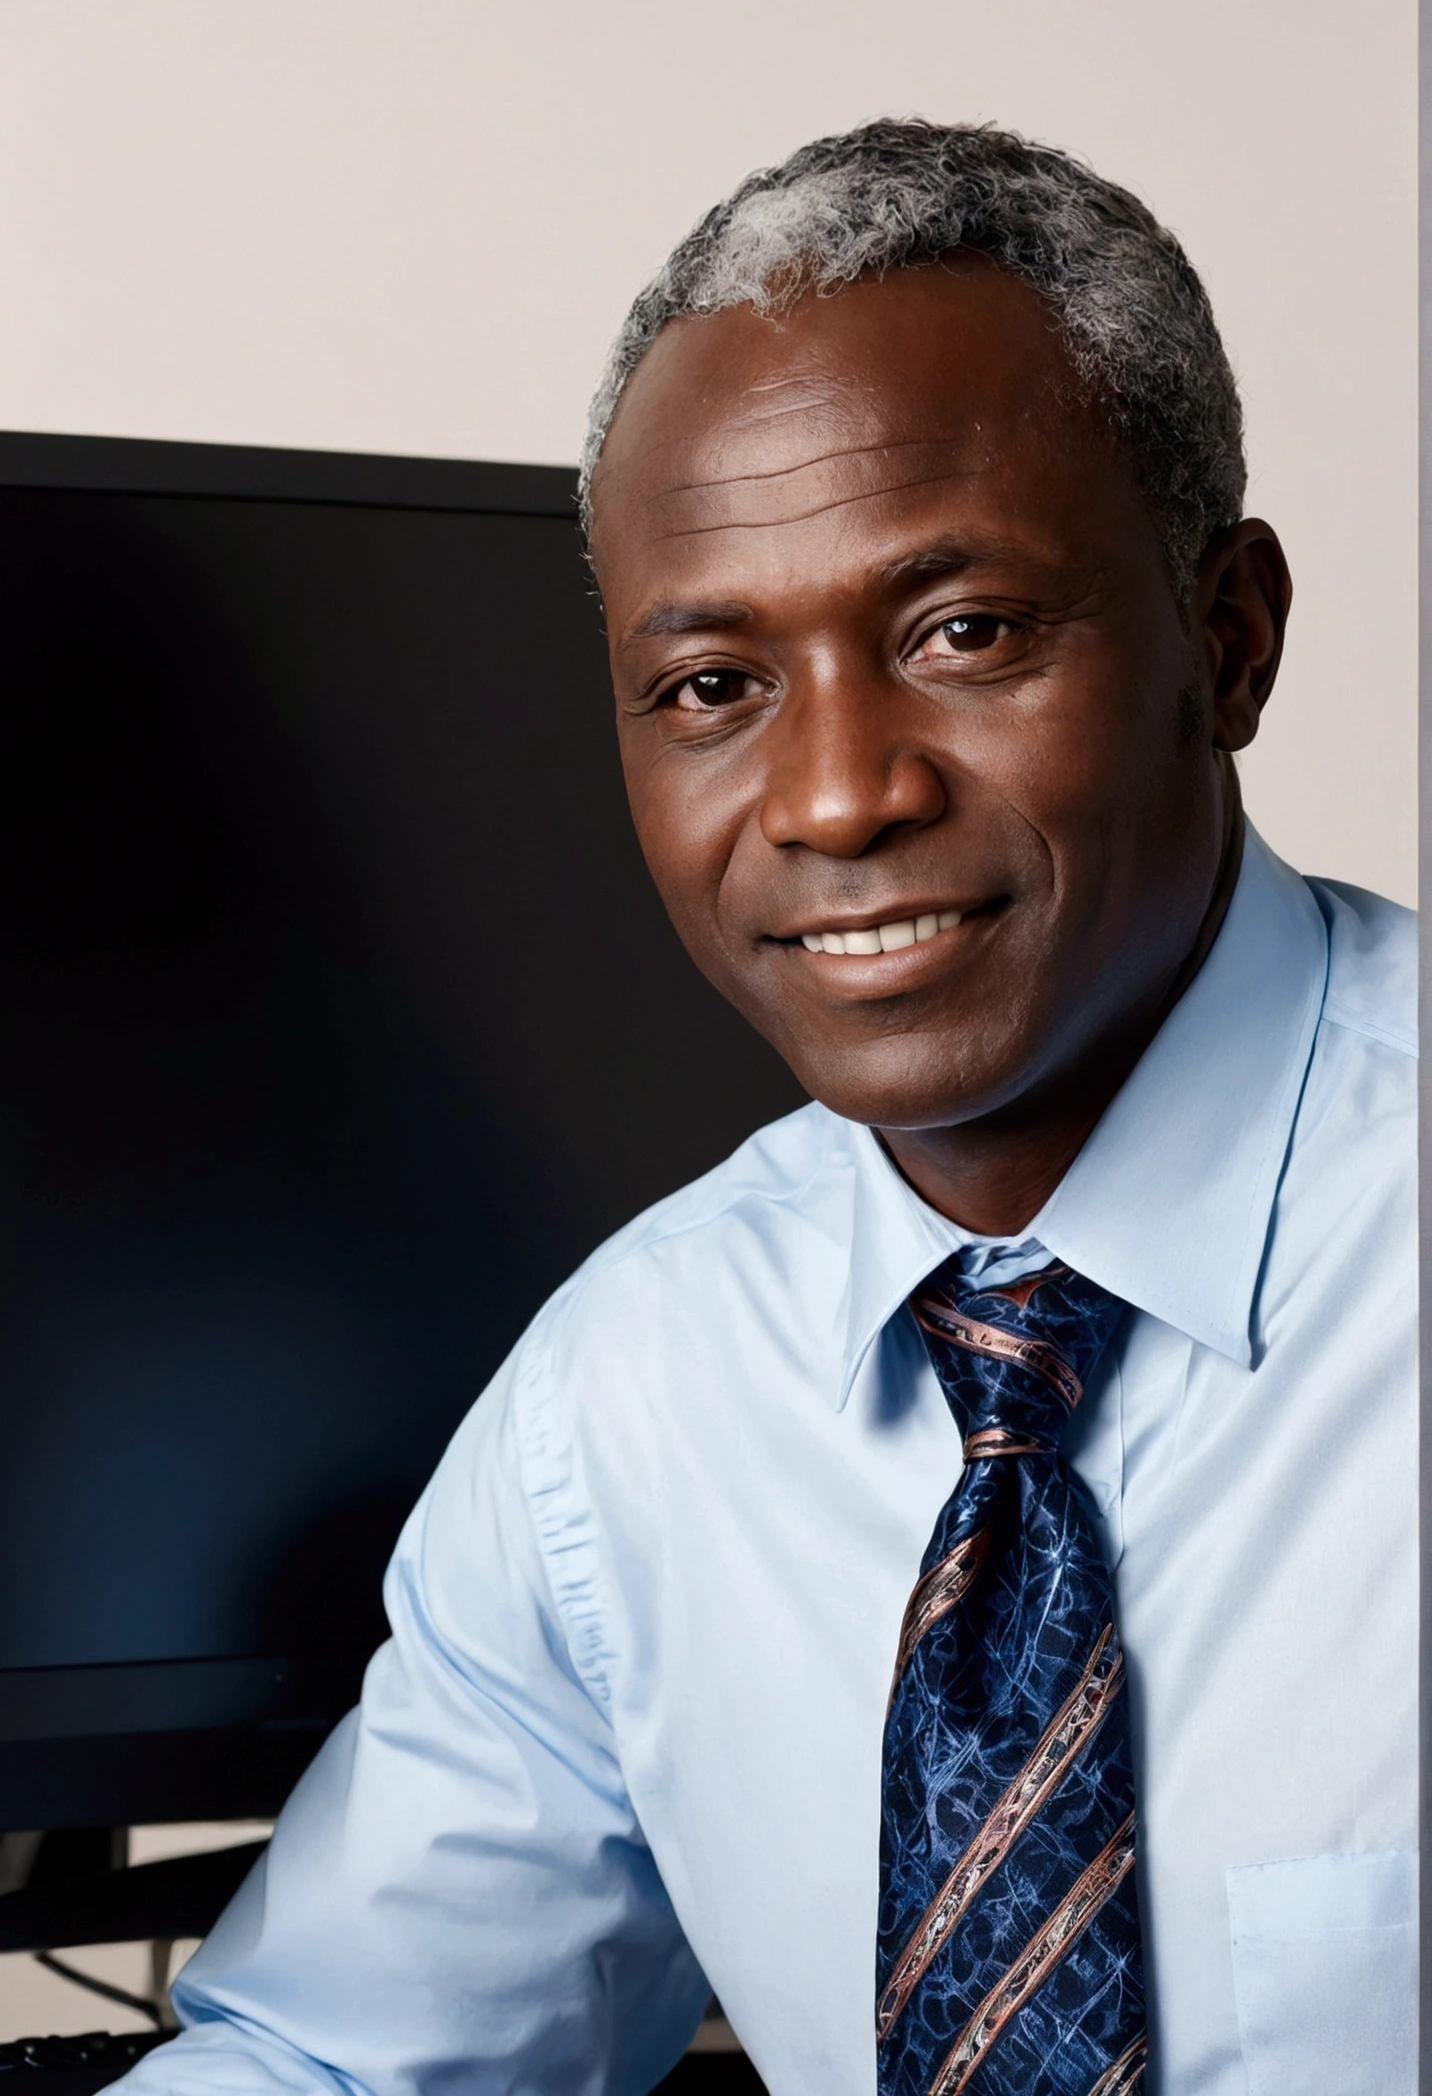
<point>994,1174</point>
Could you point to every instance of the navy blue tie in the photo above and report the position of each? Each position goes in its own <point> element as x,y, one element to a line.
<point>1009,1958</point>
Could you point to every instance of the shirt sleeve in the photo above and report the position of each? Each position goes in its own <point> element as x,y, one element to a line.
<point>458,1893</point>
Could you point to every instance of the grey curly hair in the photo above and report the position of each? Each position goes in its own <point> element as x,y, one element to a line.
<point>1133,313</point>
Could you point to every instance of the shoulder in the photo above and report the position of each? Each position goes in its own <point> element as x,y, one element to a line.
<point>772,1221</point>
<point>631,1373</point>
<point>1349,1186</point>
<point>1342,1254</point>
<point>1372,965</point>
<point>771,1176</point>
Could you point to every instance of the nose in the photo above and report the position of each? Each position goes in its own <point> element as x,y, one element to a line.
<point>843,769</point>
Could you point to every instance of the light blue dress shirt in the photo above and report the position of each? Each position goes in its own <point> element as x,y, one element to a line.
<point>624,1744</point>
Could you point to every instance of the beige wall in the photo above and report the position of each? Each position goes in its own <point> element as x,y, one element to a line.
<point>411,225</point>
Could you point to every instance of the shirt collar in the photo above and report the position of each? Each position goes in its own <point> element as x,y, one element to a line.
<point>1169,1203</point>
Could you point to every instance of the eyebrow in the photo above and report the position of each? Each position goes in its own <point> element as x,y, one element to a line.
<point>948,556</point>
<point>666,618</point>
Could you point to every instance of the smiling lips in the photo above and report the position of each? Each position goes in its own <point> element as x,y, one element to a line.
<point>883,938</point>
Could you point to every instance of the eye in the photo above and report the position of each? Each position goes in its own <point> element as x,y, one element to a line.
<point>967,633</point>
<point>705,690</point>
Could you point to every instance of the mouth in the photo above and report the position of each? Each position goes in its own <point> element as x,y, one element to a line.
<point>888,935</point>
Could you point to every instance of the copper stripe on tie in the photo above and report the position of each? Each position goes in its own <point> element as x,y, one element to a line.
<point>1051,1942</point>
<point>1038,1355</point>
<point>1070,1730</point>
<point>999,1441</point>
<point>1127,2072</point>
<point>942,1587</point>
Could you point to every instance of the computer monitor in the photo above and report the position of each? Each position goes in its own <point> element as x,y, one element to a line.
<point>338,1021</point>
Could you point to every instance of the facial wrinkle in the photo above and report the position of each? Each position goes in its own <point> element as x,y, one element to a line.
<point>763,520</point>
<point>885,447</point>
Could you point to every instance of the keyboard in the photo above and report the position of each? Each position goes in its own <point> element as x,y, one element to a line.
<point>70,2066</point>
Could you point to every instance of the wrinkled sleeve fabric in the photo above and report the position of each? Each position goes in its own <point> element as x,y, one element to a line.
<point>458,1894</point>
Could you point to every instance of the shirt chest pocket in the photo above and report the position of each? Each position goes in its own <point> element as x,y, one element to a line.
<point>1325,1974</point>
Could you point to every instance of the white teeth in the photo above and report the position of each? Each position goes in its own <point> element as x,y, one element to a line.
<point>894,936</point>
<point>883,938</point>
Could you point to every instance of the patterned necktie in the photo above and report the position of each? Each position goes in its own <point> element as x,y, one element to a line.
<point>1009,1957</point>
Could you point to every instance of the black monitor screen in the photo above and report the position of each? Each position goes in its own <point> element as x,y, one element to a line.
<point>338,1021</point>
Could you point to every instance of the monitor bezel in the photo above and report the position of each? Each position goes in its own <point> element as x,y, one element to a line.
<point>119,1744</point>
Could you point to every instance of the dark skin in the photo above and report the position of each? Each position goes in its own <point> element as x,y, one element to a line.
<point>892,638</point>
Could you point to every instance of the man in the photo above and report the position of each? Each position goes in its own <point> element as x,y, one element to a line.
<point>1083,1760</point>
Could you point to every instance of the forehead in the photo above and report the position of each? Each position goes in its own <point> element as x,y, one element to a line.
<point>744,439</point>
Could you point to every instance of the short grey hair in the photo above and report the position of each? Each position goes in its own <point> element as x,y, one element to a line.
<point>1134,316</point>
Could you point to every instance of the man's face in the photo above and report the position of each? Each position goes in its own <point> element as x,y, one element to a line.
<point>898,667</point>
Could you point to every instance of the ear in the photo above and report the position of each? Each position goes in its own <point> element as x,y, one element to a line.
<point>1240,613</point>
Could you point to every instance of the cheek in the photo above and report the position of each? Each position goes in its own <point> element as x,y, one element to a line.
<point>687,831</point>
<point>1102,756</point>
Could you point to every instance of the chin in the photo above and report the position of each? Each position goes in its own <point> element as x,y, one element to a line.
<point>903,1084</point>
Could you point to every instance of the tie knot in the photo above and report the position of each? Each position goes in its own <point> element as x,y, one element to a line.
<point>1013,1361</point>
